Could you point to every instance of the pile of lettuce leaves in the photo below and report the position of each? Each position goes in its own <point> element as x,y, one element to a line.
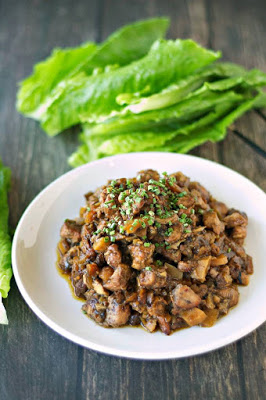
<point>139,92</point>
<point>5,241</point>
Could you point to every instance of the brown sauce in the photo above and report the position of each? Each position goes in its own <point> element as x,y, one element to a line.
<point>67,278</point>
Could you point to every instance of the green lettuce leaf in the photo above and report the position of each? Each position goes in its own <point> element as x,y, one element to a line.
<point>5,242</point>
<point>98,146</point>
<point>122,47</point>
<point>125,45</point>
<point>192,107</point>
<point>178,91</point>
<point>93,99</point>
<point>213,133</point>
<point>47,74</point>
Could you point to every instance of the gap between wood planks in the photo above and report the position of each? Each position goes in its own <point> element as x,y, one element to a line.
<point>249,142</point>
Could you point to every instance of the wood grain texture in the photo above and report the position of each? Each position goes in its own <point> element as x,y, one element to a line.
<point>36,363</point>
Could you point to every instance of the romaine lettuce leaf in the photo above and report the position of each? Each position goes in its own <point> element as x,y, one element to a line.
<point>193,106</point>
<point>98,146</point>
<point>122,47</point>
<point>47,74</point>
<point>178,91</point>
<point>5,242</point>
<point>93,99</point>
<point>214,133</point>
<point>125,45</point>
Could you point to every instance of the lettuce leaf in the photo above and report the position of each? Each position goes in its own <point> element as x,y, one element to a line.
<point>213,133</point>
<point>93,99</point>
<point>5,242</point>
<point>47,74</point>
<point>125,45</point>
<point>122,47</point>
<point>178,91</point>
<point>98,146</point>
<point>196,104</point>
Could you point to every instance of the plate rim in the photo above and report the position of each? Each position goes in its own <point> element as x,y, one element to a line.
<point>86,343</point>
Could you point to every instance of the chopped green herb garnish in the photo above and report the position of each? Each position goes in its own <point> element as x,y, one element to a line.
<point>148,268</point>
<point>146,244</point>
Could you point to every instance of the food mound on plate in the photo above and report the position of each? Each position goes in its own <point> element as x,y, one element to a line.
<point>157,251</point>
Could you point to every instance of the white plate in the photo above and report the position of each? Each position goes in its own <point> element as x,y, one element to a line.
<point>49,296</point>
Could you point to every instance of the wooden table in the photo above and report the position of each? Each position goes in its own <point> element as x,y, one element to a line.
<point>35,362</point>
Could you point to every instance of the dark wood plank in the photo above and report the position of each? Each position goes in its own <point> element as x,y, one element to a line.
<point>236,28</point>
<point>253,127</point>
<point>39,364</point>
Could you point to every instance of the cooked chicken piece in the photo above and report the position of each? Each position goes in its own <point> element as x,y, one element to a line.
<point>106,273</point>
<point>186,201</point>
<point>98,287</point>
<point>153,277</point>
<point>211,221</point>
<point>171,254</point>
<point>181,179</point>
<point>195,316</point>
<point>147,174</point>
<point>238,234</point>
<point>220,208</point>
<point>117,312</point>
<point>157,307</point>
<point>149,323</point>
<point>119,279</point>
<point>183,297</point>
<point>197,186</point>
<point>141,255</point>
<point>113,256</point>
<point>176,234</point>
<point>71,231</point>
<point>235,219</point>
<point>220,260</point>
<point>201,270</point>
<point>224,278</point>
<point>231,294</point>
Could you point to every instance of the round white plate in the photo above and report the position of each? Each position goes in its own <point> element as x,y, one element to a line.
<point>49,296</point>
